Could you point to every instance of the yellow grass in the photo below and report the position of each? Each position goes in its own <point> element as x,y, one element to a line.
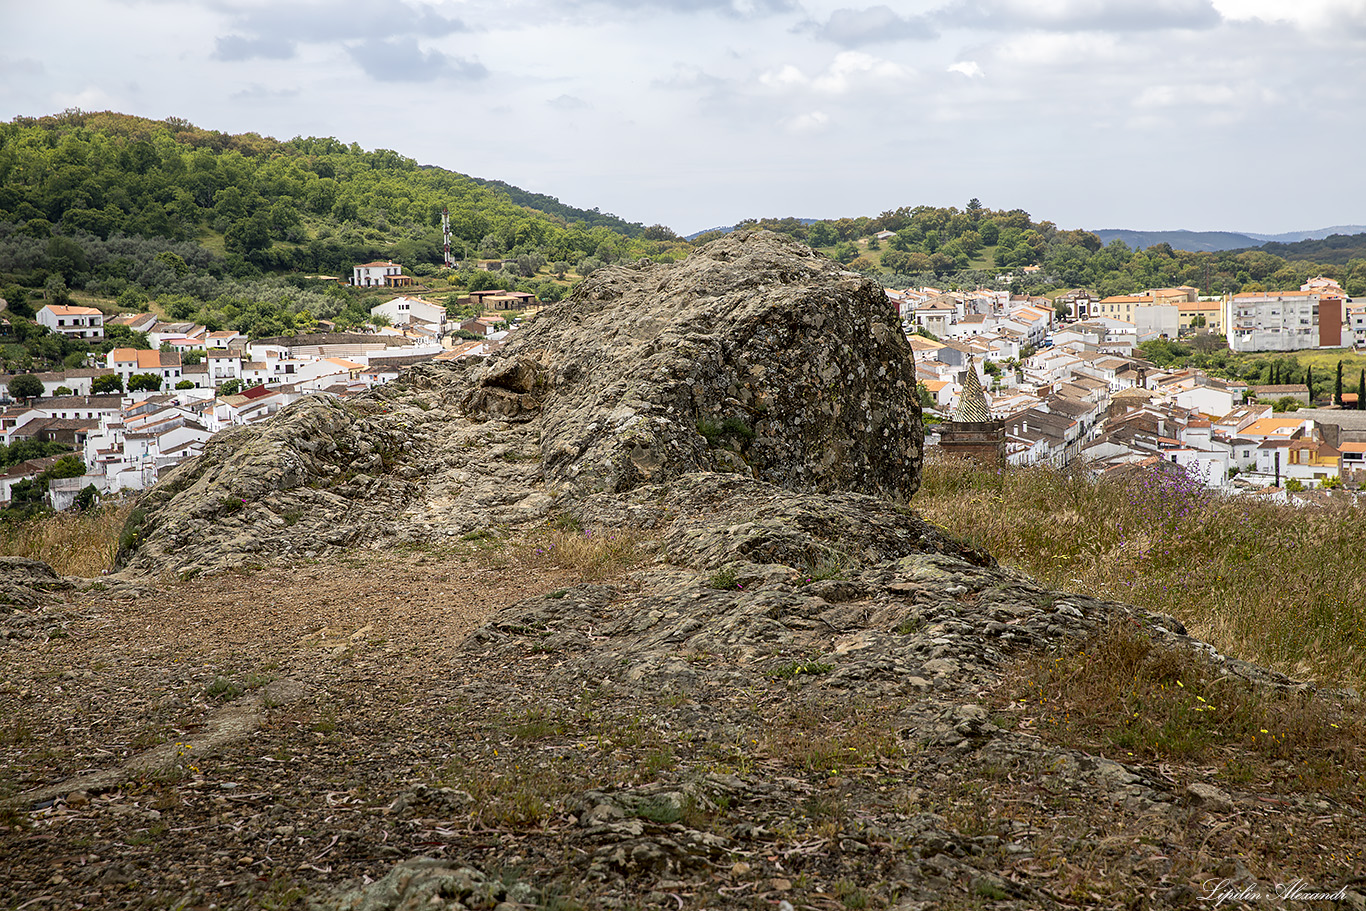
<point>590,553</point>
<point>73,544</point>
<point>1278,585</point>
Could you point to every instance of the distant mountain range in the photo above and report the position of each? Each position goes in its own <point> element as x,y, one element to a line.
<point>1212,241</point>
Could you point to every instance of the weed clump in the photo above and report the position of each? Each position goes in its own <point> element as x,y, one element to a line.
<point>590,553</point>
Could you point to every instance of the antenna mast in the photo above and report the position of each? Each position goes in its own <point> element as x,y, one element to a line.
<point>446,237</point>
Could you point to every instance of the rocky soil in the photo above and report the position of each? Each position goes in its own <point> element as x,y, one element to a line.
<point>349,662</point>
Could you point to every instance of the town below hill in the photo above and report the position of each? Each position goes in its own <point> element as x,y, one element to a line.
<point>1016,382</point>
<point>132,413</point>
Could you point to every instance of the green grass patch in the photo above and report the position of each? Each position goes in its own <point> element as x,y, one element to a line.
<point>724,579</point>
<point>730,429</point>
<point>802,668</point>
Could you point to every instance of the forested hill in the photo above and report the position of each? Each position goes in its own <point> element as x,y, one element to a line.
<point>552,206</point>
<point>1197,241</point>
<point>1348,243</point>
<point>248,232</point>
<point>1337,248</point>
<point>311,205</point>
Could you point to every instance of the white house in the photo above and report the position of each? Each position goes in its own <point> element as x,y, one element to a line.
<point>164,332</point>
<point>75,322</point>
<point>1285,321</point>
<point>403,311</point>
<point>318,374</point>
<point>131,448</point>
<point>223,366</point>
<point>378,274</point>
<point>129,361</point>
<point>222,341</point>
<point>1215,399</point>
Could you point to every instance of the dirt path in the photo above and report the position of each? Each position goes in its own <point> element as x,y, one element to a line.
<point>148,700</point>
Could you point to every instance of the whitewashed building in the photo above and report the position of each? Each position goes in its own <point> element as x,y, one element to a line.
<point>75,322</point>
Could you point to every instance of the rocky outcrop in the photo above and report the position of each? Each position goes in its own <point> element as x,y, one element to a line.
<point>754,355</point>
<point>755,358</point>
<point>30,599</point>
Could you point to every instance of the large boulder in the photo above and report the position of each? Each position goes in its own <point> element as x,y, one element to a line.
<point>754,354</point>
<point>754,357</point>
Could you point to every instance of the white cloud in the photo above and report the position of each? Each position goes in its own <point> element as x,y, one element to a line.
<point>785,77</point>
<point>258,92</point>
<point>811,122</point>
<point>236,47</point>
<point>21,66</point>
<point>1166,96</point>
<point>968,68</point>
<point>1311,14</point>
<point>568,103</point>
<point>401,60</point>
<point>852,69</point>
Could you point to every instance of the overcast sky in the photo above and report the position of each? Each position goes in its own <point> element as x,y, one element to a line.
<point>1148,114</point>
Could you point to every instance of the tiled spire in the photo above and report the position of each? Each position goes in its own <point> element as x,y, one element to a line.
<point>972,404</point>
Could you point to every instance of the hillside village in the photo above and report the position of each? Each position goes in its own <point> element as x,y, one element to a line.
<point>1060,390</point>
<point>1066,392</point>
<point>141,411</point>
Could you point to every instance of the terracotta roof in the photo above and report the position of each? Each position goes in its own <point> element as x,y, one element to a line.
<point>63,310</point>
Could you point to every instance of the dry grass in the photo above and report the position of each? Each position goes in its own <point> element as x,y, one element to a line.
<point>1123,695</point>
<point>1278,585</point>
<point>590,554</point>
<point>73,544</point>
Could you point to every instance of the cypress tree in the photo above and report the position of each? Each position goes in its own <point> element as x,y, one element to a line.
<point>1337,387</point>
<point>1361,391</point>
<point>1309,382</point>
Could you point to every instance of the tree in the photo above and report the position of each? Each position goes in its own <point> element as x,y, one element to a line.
<point>144,382</point>
<point>108,383</point>
<point>185,384</point>
<point>62,390</point>
<point>1309,381</point>
<point>25,386</point>
<point>230,387</point>
<point>1337,386</point>
<point>87,497</point>
<point>1361,391</point>
<point>68,466</point>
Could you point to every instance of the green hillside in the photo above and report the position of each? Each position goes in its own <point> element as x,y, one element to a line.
<point>251,233</point>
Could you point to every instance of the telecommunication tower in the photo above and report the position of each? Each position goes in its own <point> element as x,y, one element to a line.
<point>446,237</point>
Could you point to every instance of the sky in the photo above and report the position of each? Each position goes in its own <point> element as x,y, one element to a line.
<point>1241,115</point>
